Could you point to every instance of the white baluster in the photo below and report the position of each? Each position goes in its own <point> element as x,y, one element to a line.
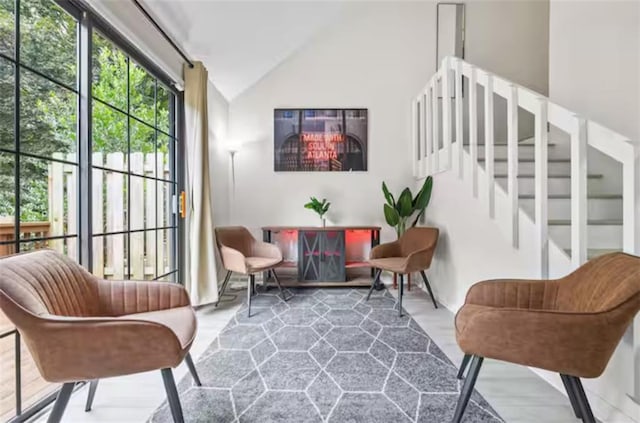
<point>579,192</point>
<point>423,136</point>
<point>473,129</point>
<point>415,134</point>
<point>446,112</point>
<point>435,121</point>
<point>489,164</point>
<point>428,133</point>
<point>459,112</point>
<point>541,188</point>
<point>631,241</point>
<point>512,163</point>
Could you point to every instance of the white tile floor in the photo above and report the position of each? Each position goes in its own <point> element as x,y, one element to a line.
<point>515,392</point>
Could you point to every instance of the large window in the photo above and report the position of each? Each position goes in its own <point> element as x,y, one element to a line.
<point>88,145</point>
<point>134,178</point>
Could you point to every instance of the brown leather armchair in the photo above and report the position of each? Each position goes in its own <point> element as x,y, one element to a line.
<point>570,326</point>
<point>242,253</point>
<point>412,252</point>
<point>78,327</point>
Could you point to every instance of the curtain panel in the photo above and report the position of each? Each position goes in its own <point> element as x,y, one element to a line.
<point>200,263</point>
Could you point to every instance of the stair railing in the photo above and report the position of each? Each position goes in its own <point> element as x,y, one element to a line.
<point>440,105</point>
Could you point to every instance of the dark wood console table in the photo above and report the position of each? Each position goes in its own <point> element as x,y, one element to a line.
<point>323,254</point>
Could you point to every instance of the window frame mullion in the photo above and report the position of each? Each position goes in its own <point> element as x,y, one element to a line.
<point>85,43</point>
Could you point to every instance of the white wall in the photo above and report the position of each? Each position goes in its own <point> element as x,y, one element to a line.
<point>594,61</point>
<point>218,109</point>
<point>377,58</point>
<point>510,39</point>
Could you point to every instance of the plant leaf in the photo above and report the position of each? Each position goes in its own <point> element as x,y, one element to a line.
<point>388,196</point>
<point>391,215</point>
<point>423,197</point>
<point>405,203</point>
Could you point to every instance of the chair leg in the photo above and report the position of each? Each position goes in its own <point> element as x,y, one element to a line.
<point>400,294</point>
<point>463,366</point>
<point>61,403</point>
<point>581,398</point>
<point>277,279</point>
<point>223,287</point>
<point>252,280</point>
<point>376,279</point>
<point>192,369</point>
<point>428,286</point>
<point>250,287</point>
<point>467,389</point>
<point>568,386</point>
<point>172,395</point>
<point>93,385</point>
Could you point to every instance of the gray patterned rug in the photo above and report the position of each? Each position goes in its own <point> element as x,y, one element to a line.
<point>327,355</point>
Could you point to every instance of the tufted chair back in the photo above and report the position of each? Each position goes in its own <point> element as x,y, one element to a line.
<point>604,283</point>
<point>44,282</point>
<point>236,237</point>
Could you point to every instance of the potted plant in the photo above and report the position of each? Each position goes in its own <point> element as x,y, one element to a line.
<point>320,207</point>
<point>398,212</point>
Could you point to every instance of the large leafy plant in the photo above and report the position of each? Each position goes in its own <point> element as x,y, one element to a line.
<point>398,212</point>
<point>320,207</point>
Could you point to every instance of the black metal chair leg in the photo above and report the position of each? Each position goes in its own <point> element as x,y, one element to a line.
<point>250,286</point>
<point>428,286</point>
<point>467,389</point>
<point>172,395</point>
<point>400,294</point>
<point>571,394</point>
<point>581,398</point>
<point>463,366</point>
<point>223,287</point>
<point>252,281</point>
<point>61,402</point>
<point>192,369</point>
<point>277,279</point>
<point>376,279</point>
<point>93,385</point>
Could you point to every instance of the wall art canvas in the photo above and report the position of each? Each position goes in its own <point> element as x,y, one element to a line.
<point>320,140</point>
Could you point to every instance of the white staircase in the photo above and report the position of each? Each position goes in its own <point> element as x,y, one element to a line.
<point>573,207</point>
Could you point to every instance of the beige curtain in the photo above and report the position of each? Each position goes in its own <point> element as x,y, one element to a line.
<point>201,277</point>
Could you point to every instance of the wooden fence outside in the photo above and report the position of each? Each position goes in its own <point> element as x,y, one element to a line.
<point>149,209</point>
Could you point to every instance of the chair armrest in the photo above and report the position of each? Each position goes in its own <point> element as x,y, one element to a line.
<point>233,260</point>
<point>389,249</point>
<point>578,344</point>
<point>118,298</point>
<point>266,250</point>
<point>76,348</point>
<point>514,293</point>
<point>420,259</point>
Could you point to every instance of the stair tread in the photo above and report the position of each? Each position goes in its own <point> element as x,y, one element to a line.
<point>551,175</point>
<point>568,197</point>
<point>593,222</point>
<point>504,144</point>
<point>595,252</point>
<point>550,160</point>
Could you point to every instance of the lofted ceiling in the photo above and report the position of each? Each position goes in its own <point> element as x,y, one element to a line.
<point>241,41</point>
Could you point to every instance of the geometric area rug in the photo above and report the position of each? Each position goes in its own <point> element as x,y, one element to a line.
<point>326,355</point>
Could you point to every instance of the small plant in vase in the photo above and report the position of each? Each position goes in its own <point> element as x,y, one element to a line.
<point>320,207</point>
